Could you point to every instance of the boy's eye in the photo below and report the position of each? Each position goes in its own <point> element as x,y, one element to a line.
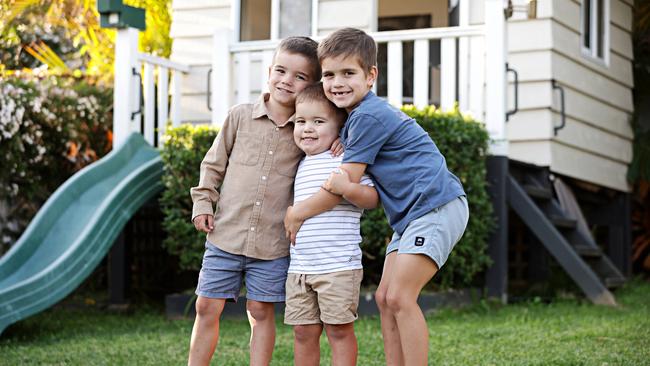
<point>279,71</point>
<point>300,121</point>
<point>319,121</point>
<point>300,77</point>
<point>327,75</point>
<point>348,73</point>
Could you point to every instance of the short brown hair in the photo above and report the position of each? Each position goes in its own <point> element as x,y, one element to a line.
<point>350,42</point>
<point>315,94</point>
<point>303,46</point>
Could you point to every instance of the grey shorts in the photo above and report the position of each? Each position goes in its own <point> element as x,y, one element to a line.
<point>222,273</point>
<point>434,234</point>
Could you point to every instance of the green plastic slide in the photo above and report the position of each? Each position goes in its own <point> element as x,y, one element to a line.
<point>75,228</point>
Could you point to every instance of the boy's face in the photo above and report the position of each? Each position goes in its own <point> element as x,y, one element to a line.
<point>289,74</point>
<point>345,82</point>
<point>316,126</point>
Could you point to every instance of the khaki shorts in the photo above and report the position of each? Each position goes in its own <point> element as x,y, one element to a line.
<point>330,298</point>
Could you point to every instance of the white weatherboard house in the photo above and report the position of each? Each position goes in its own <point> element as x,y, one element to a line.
<point>586,49</point>
<point>551,79</point>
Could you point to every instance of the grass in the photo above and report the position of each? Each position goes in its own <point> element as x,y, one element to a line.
<point>565,332</point>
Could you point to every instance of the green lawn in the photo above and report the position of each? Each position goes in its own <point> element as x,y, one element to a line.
<point>566,332</point>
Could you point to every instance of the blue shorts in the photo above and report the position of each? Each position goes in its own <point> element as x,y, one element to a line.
<point>434,234</point>
<point>222,273</point>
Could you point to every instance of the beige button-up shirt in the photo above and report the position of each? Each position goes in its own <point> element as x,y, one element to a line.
<point>248,174</point>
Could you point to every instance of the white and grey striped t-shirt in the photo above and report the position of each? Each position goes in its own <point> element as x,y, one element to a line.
<point>328,242</point>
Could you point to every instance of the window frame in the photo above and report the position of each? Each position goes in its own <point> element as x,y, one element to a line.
<point>236,20</point>
<point>591,52</point>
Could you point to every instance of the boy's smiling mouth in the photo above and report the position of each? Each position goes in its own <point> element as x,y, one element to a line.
<point>283,90</point>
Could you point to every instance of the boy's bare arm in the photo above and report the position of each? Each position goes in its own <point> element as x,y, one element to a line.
<point>360,195</point>
<point>318,203</point>
<point>325,200</point>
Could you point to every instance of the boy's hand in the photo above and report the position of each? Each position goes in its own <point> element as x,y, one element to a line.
<point>337,182</point>
<point>204,223</point>
<point>292,224</point>
<point>337,147</point>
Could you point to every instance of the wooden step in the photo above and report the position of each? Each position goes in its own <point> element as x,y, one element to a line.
<point>614,282</point>
<point>588,251</point>
<point>563,222</point>
<point>538,192</point>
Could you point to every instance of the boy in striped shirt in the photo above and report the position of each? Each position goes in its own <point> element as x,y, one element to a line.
<point>325,271</point>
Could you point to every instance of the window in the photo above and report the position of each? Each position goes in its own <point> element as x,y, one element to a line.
<point>595,29</point>
<point>255,20</point>
<point>267,19</point>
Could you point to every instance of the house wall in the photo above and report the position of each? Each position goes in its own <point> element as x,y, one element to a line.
<point>193,24</point>
<point>596,144</point>
<point>334,14</point>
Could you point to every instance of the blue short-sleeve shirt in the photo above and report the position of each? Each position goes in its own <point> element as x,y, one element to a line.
<point>409,172</point>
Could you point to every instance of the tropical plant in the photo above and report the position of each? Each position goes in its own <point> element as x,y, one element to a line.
<point>65,35</point>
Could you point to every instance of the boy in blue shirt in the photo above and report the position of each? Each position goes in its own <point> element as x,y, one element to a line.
<point>425,203</point>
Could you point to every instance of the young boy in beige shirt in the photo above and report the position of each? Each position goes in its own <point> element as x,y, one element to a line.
<point>248,174</point>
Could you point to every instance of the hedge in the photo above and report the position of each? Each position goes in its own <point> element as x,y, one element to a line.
<point>50,127</point>
<point>463,141</point>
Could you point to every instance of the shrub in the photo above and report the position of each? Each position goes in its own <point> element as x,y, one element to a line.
<point>462,141</point>
<point>184,148</point>
<point>50,127</point>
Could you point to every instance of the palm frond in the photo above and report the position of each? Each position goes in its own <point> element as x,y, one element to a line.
<point>43,53</point>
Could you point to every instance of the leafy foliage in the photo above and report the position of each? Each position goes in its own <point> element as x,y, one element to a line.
<point>184,148</point>
<point>65,35</point>
<point>50,127</point>
<point>462,141</point>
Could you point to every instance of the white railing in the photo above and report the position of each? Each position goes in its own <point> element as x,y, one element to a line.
<point>160,102</point>
<point>142,96</point>
<point>240,70</point>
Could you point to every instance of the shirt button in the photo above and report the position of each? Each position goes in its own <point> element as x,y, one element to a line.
<point>277,128</point>
<point>264,177</point>
<point>258,203</point>
<point>252,228</point>
<point>270,152</point>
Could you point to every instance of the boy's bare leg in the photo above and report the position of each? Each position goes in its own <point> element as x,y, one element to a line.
<point>205,333</point>
<point>409,275</point>
<point>343,343</point>
<point>389,331</point>
<point>306,346</point>
<point>262,320</point>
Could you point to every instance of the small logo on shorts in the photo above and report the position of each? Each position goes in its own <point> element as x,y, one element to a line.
<point>419,241</point>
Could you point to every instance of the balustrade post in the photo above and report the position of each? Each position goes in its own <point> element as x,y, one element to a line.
<point>125,92</point>
<point>221,71</point>
<point>497,163</point>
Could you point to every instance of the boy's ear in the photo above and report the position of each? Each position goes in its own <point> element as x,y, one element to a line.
<point>371,76</point>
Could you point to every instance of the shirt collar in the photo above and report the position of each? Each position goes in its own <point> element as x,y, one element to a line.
<point>259,110</point>
<point>365,98</point>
